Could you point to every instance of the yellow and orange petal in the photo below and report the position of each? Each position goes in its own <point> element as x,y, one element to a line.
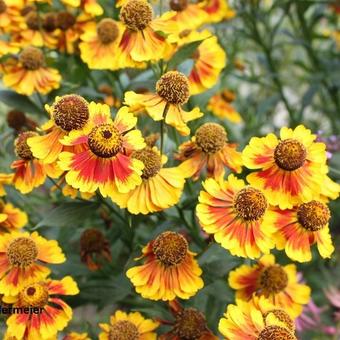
<point>217,10</point>
<point>237,216</point>
<point>128,326</point>
<point>5,179</point>
<point>76,336</point>
<point>11,217</point>
<point>160,189</point>
<point>55,314</point>
<point>169,270</point>
<point>23,257</point>
<point>290,170</point>
<point>221,106</point>
<point>107,145</point>
<point>91,7</point>
<point>300,228</point>
<point>277,283</point>
<point>7,47</point>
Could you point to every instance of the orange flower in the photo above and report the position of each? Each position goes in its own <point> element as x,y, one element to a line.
<point>11,217</point>
<point>22,260</point>
<point>277,283</point>
<point>209,150</point>
<point>29,74</point>
<point>169,271</point>
<point>54,314</point>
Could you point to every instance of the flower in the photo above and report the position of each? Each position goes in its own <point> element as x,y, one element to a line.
<point>29,74</point>
<point>160,189</point>
<point>7,47</point>
<point>5,179</point>
<point>141,37</point>
<point>107,145</point>
<point>132,326</point>
<point>189,323</point>
<point>220,106</point>
<point>91,7</point>
<point>55,314</point>
<point>291,169</point>
<point>237,216</point>
<point>9,15</point>
<point>76,336</point>
<point>301,227</point>
<point>17,120</point>
<point>22,259</point>
<point>209,150</point>
<point>11,217</point>
<point>30,172</point>
<point>277,283</point>
<point>217,10</point>
<point>109,97</point>
<point>169,271</point>
<point>245,321</point>
<point>99,46</point>
<point>172,91</point>
<point>69,112</point>
<point>94,246</point>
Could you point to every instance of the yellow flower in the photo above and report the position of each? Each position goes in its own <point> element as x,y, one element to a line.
<point>30,73</point>
<point>217,10</point>
<point>290,170</point>
<point>7,47</point>
<point>91,7</point>
<point>5,179</point>
<point>172,91</point>
<point>169,271</point>
<point>277,283</point>
<point>11,217</point>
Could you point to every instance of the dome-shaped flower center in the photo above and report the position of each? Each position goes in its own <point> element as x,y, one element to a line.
<point>173,86</point>
<point>32,58</point>
<point>16,119</point>
<point>65,20</point>
<point>107,31</point>
<point>3,6</point>
<point>32,20</point>
<point>34,295</point>
<point>22,252</point>
<point>276,333</point>
<point>136,14</point>
<point>284,317</point>
<point>273,280</point>
<point>105,140</point>
<point>21,147</point>
<point>123,330</point>
<point>92,241</point>
<point>170,248</point>
<point>250,204</point>
<point>190,324</point>
<point>290,154</point>
<point>151,159</point>
<point>178,5</point>
<point>228,96</point>
<point>50,22</point>
<point>313,215</point>
<point>71,112</point>
<point>211,137</point>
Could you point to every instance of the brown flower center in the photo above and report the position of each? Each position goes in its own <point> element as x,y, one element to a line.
<point>123,330</point>
<point>276,333</point>
<point>190,324</point>
<point>273,280</point>
<point>71,112</point>
<point>136,14</point>
<point>107,31</point>
<point>105,140</point>
<point>16,119</point>
<point>32,58</point>
<point>170,248</point>
<point>313,215</point>
<point>284,317</point>
<point>152,139</point>
<point>92,241</point>
<point>152,161</point>
<point>26,10</point>
<point>22,252</point>
<point>50,22</point>
<point>34,295</point>
<point>211,137</point>
<point>65,20</point>
<point>178,5</point>
<point>21,147</point>
<point>3,6</point>
<point>173,86</point>
<point>250,204</point>
<point>32,20</point>
<point>228,96</point>
<point>290,154</point>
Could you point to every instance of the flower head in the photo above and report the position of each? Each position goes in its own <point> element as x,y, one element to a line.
<point>11,217</point>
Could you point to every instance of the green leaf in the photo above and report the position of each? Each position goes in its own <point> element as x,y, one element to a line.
<point>68,214</point>
<point>183,53</point>
<point>18,101</point>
